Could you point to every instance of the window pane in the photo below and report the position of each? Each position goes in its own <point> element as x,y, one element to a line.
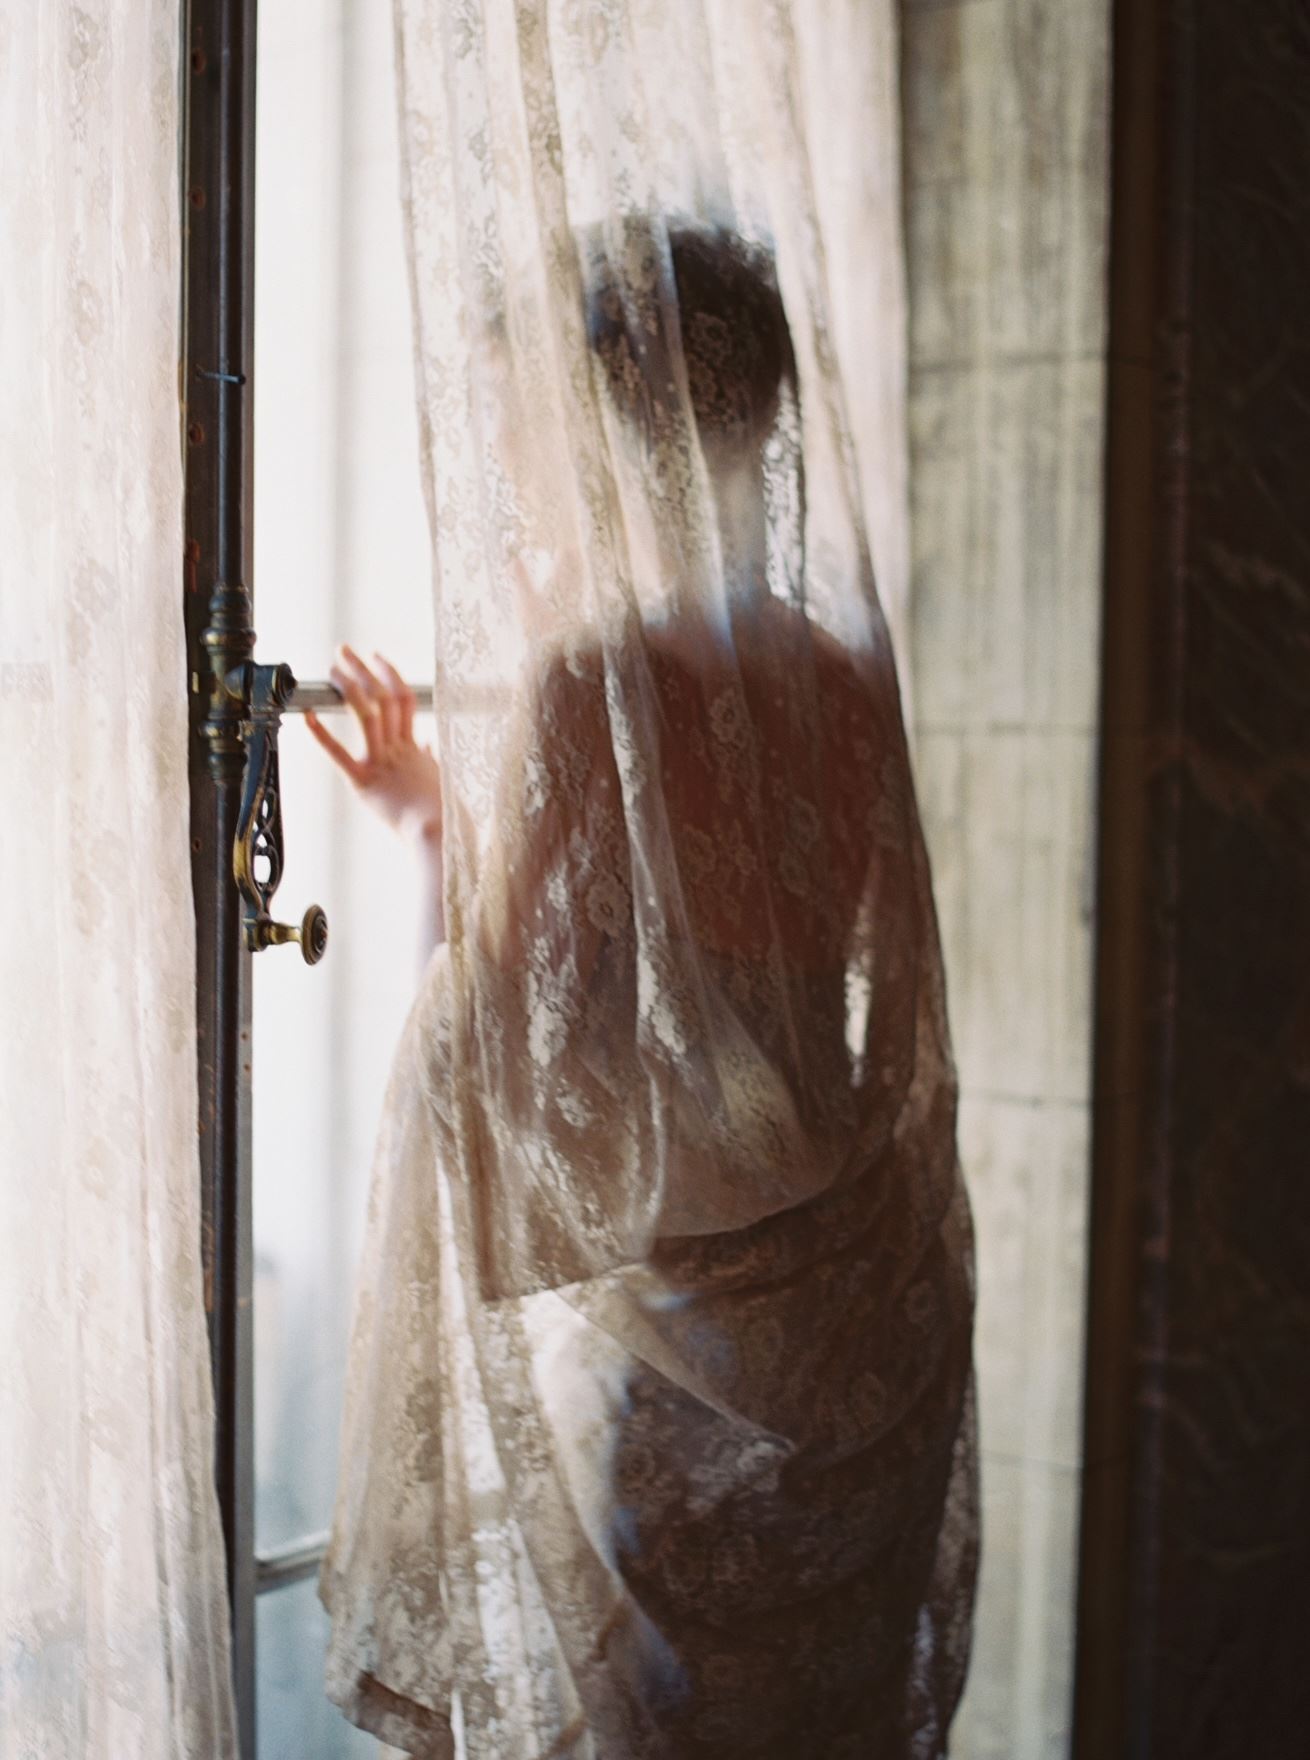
<point>341,553</point>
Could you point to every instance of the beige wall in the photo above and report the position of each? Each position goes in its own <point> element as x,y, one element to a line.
<point>1006,190</point>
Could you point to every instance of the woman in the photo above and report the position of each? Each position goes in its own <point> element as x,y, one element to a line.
<point>659,1435</point>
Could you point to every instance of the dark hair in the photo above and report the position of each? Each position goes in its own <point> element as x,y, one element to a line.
<point>735,338</point>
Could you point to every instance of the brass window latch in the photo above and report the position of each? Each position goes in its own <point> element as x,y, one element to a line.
<point>264,692</point>
<point>243,708</point>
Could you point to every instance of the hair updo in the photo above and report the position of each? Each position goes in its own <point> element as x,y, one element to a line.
<point>735,339</point>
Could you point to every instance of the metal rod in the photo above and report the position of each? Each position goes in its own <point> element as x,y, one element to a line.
<point>462,699</point>
<point>326,699</point>
<point>292,1563</point>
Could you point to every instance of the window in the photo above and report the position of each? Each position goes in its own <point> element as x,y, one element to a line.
<point>339,551</point>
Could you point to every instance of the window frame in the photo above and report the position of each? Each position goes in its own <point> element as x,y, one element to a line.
<point>216,391</point>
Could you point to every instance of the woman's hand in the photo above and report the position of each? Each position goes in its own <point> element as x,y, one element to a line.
<point>397,777</point>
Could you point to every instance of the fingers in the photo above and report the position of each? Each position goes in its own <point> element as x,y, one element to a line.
<point>382,703</point>
<point>401,695</point>
<point>366,712</point>
<point>376,692</point>
<point>373,706</point>
<point>334,748</point>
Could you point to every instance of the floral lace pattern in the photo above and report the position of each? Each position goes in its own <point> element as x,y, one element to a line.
<point>113,1601</point>
<point>659,1435</point>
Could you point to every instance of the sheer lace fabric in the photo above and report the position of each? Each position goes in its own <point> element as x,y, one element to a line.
<point>659,1435</point>
<point>113,1618</point>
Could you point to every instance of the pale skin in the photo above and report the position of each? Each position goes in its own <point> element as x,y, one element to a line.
<point>395,775</point>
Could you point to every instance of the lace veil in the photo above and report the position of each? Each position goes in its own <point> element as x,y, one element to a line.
<point>661,1357</point>
<point>687,912</point>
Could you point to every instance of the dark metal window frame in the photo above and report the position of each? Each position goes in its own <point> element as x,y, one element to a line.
<point>218,82</point>
<point>234,709</point>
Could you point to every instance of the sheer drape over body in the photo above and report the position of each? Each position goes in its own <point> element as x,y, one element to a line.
<point>659,1430</point>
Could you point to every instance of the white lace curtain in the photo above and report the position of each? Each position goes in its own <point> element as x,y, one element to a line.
<point>667,1228</point>
<point>653,388</point>
<point>112,1603</point>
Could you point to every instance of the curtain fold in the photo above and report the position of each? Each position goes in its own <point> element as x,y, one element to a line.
<point>848,55</point>
<point>113,1621</point>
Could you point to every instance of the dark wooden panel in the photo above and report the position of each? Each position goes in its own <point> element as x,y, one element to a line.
<point>1196,1556</point>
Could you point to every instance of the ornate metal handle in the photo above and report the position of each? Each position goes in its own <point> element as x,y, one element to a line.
<point>257,852</point>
